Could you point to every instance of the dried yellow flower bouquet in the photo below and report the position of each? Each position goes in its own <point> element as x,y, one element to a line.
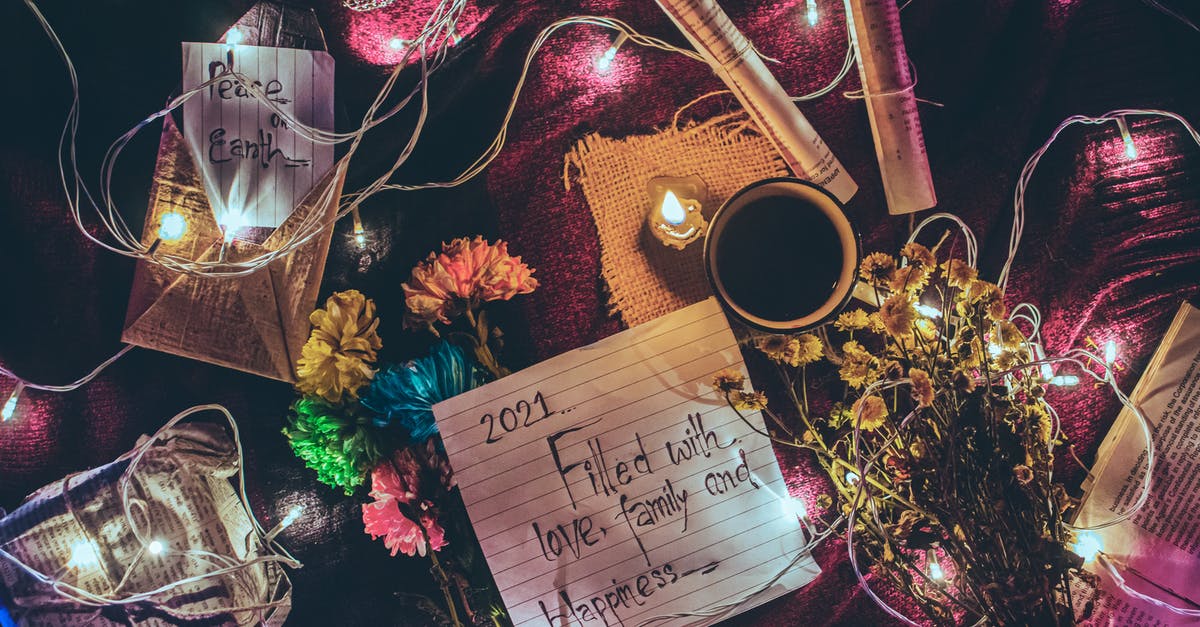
<point>941,450</point>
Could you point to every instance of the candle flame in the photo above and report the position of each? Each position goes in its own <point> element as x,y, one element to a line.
<point>672,211</point>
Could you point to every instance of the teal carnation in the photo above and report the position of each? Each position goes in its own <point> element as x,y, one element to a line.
<point>341,446</point>
<point>405,394</point>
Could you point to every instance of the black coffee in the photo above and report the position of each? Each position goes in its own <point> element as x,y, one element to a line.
<point>779,258</point>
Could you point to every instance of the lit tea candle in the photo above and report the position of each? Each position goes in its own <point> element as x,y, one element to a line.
<point>677,222</point>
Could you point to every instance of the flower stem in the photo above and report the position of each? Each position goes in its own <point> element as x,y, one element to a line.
<point>443,580</point>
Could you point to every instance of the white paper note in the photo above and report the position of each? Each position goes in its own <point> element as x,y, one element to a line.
<point>610,484</point>
<point>255,168</point>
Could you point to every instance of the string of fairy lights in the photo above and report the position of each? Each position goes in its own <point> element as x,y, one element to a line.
<point>429,50</point>
<point>85,554</point>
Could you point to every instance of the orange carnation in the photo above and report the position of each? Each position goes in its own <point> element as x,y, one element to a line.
<point>467,272</point>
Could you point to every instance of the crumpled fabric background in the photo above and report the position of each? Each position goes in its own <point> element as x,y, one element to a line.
<point>1111,248</point>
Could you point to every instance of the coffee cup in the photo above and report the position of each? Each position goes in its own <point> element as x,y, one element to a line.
<point>782,256</point>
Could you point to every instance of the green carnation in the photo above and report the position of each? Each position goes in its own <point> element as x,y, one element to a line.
<point>333,441</point>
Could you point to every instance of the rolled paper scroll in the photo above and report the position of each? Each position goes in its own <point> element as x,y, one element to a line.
<point>891,105</point>
<point>735,61</point>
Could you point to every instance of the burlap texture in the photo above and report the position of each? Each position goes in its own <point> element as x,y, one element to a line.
<point>646,279</point>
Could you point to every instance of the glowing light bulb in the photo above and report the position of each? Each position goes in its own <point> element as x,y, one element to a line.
<point>1039,354</point>
<point>1087,545</point>
<point>851,478</point>
<point>83,555</point>
<point>360,236</point>
<point>156,547</point>
<point>995,349</point>
<point>1065,380</point>
<point>934,567</point>
<point>928,311</point>
<point>793,507</point>
<point>232,221</point>
<point>1130,149</point>
<point>936,573</point>
<point>672,210</point>
<point>397,44</point>
<point>812,12</point>
<point>10,406</point>
<point>1110,352</point>
<point>604,61</point>
<point>171,227</point>
<point>233,36</point>
<point>292,516</point>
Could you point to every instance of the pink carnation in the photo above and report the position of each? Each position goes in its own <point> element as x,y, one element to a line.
<point>466,273</point>
<point>385,518</point>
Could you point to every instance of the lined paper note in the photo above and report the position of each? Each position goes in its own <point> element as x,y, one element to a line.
<point>610,484</point>
<point>254,167</point>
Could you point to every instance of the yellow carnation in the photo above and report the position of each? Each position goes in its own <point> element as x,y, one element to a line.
<point>909,279</point>
<point>982,297</point>
<point>777,348</point>
<point>728,380</point>
<point>922,387</point>
<point>852,320</point>
<point>877,268</point>
<point>749,401</point>
<point>337,357</point>
<point>793,351</point>
<point>898,314</point>
<point>1007,335</point>
<point>919,256</point>
<point>870,412</point>
<point>856,364</point>
<point>959,274</point>
<point>809,349</point>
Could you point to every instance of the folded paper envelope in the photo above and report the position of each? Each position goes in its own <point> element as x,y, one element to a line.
<point>256,323</point>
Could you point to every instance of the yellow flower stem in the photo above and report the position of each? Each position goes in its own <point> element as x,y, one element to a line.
<point>883,488</point>
<point>803,410</point>
<point>804,387</point>
<point>938,245</point>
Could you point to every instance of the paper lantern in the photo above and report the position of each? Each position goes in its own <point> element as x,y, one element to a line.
<point>159,536</point>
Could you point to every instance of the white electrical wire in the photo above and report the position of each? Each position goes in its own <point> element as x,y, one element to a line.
<point>1168,11</point>
<point>432,45</point>
<point>1079,357</point>
<point>1119,579</point>
<point>69,386</point>
<point>847,65</point>
<point>435,36</point>
<point>968,235</point>
<point>1018,225</point>
<point>229,567</point>
<point>724,608</point>
<point>493,150</point>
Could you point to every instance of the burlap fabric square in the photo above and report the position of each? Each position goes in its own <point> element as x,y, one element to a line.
<point>646,279</point>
